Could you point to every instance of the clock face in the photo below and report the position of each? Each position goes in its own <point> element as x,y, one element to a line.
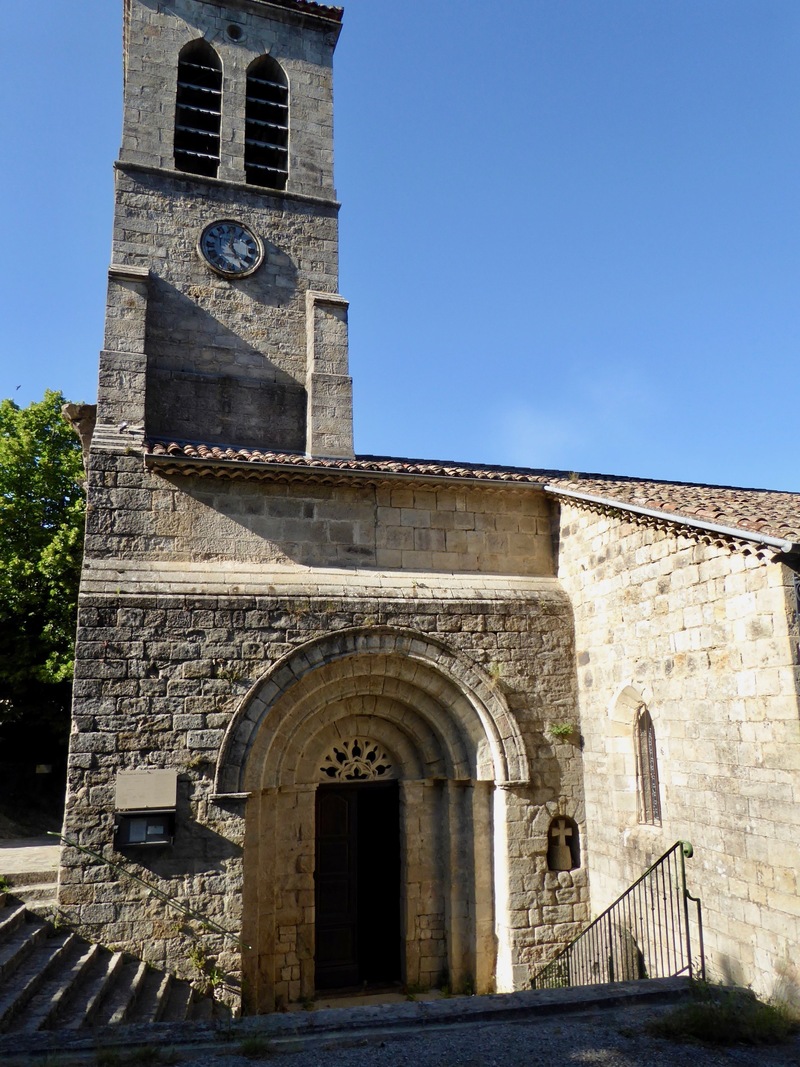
<point>230,248</point>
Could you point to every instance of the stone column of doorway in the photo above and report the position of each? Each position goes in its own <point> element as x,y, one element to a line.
<point>279,905</point>
<point>411,873</point>
<point>460,882</point>
<point>422,834</point>
<point>258,903</point>
<point>482,797</point>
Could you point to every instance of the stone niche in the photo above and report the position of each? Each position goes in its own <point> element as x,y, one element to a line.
<point>563,845</point>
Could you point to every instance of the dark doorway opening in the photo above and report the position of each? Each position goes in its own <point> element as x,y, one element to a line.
<point>357,885</point>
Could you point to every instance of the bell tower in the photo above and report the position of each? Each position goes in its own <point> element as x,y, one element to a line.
<point>224,323</point>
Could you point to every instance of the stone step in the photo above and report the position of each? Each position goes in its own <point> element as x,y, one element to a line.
<point>11,918</point>
<point>21,879</point>
<point>44,908</point>
<point>55,992</point>
<point>203,1009</point>
<point>30,975</point>
<point>34,890</point>
<point>153,997</point>
<point>179,1005</point>
<point>18,943</point>
<point>120,1005</point>
<point>85,1006</point>
<point>54,980</point>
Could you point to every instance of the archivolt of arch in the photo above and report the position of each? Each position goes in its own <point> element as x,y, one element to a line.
<point>437,713</point>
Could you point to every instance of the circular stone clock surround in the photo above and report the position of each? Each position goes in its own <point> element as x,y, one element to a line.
<point>230,248</point>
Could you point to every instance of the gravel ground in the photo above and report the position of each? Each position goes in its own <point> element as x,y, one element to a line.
<point>610,1038</point>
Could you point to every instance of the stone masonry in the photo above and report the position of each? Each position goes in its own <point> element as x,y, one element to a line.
<point>174,641</point>
<point>707,637</point>
<point>257,602</point>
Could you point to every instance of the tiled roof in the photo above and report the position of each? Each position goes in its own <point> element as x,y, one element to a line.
<point>754,511</point>
<point>379,465</point>
<point>761,511</point>
<point>312,8</point>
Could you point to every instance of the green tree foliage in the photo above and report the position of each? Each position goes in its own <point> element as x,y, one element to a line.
<point>42,508</point>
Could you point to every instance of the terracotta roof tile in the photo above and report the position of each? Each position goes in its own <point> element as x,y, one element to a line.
<point>756,511</point>
<point>762,511</point>
<point>361,464</point>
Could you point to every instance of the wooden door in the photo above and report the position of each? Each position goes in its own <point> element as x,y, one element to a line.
<point>357,881</point>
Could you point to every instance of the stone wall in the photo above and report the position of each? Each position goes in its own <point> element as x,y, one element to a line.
<point>135,515</point>
<point>205,589</point>
<point>246,379</point>
<point>260,360</point>
<point>155,34</point>
<point>706,637</point>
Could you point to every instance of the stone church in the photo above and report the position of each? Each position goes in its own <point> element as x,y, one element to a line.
<point>376,720</point>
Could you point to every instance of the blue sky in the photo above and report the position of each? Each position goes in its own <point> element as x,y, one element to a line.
<point>570,231</point>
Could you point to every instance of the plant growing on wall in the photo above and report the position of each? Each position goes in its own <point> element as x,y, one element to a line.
<point>562,731</point>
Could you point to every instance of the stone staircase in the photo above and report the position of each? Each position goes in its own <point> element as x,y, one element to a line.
<point>37,889</point>
<point>51,979</point>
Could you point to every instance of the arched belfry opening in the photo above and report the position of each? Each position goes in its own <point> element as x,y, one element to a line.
<point>266,146</point>
<point>198,110</point>
<point>371,761</point>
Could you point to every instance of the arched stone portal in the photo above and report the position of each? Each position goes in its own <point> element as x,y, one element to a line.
<point>449,740</point>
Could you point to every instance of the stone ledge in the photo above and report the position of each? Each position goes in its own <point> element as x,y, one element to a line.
<point>229,578</point>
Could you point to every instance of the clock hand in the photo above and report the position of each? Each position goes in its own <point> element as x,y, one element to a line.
<point>230,253</point>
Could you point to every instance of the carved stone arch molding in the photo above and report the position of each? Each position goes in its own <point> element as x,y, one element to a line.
<point>444,739</point>
<point>624,705</point>
<point>448,708</point>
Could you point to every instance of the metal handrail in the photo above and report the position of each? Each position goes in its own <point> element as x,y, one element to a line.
<point>645,933</point>
<point>189,913</point>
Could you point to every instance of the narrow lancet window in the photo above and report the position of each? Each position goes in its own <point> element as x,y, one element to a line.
<point>198,109</point>
<point>649,799</point>
<point>266,149</point>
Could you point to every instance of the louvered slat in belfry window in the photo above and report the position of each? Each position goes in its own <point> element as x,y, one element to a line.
<point>198,110</point>
<point>266,162</point>
<point>198,88</point>
<point>265,81</point>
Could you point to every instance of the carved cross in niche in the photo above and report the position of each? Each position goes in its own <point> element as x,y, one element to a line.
<point>559,855</point>
<point>561,831</point>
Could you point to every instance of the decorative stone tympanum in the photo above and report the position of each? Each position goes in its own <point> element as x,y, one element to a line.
<point>356,761</point>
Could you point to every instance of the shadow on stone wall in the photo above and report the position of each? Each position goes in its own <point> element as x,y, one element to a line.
<point>213,383</point>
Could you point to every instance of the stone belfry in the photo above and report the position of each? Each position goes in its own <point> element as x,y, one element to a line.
<point>224,322</point>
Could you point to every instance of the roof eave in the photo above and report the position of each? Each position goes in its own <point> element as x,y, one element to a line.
<point>266,471</point>
<point>778,544</point>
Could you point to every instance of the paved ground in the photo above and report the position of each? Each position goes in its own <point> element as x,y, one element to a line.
<point>605,1028</point>
<point>614,1038</point>
<point>609,1038</point>
<point>24,855</point>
